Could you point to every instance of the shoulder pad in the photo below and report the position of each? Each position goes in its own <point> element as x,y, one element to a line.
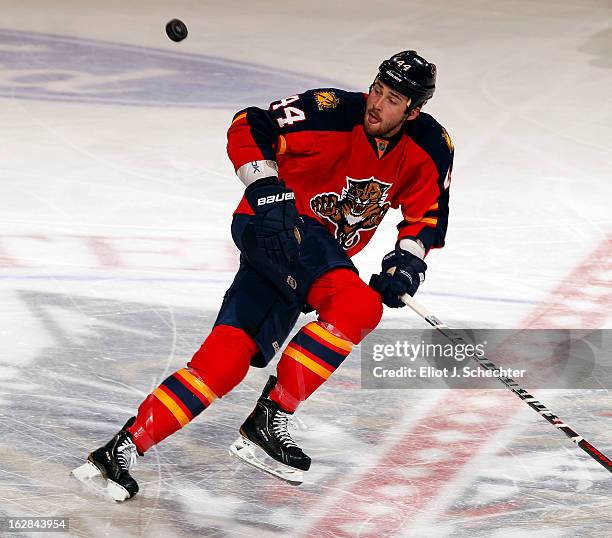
<point>432,137</point>
<point>329,109</point>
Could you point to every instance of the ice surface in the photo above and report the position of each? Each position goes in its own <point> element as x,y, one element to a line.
<point>115,202</point>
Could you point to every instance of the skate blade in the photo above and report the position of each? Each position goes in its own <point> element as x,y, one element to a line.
<point>256,457</point>
<point>91,477</point>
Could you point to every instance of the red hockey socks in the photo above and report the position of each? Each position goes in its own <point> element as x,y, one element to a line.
<point>219,365</point>
<point>178,400</point>
<point>341,298</point>
<point>309,359</point>
<point>348,309</point>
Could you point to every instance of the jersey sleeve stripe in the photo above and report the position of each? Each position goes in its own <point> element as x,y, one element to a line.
<point>282,145</point>
<point>239,117</point>
<point>427,220</point>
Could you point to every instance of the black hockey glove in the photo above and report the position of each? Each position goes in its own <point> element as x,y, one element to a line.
<point>278,227</point>
<point>408,274</point>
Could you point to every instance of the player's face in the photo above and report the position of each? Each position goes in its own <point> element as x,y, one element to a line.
<point>385,111</point>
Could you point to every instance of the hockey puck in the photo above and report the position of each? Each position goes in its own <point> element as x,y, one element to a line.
<point>176,30</point>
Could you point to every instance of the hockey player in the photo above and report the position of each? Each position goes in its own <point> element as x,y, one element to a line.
<point>321,170</point>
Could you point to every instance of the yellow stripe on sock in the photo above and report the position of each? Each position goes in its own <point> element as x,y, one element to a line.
<point>178,413</point>
<point>329,337</point>
<point>307,362</point>
<point>197,384</point>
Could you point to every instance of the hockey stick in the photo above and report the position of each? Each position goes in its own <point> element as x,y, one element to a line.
<point>511,384</point>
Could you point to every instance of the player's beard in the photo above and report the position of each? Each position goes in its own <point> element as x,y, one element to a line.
<point>375,126</point>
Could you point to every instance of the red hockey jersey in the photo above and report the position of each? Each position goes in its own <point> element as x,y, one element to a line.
<point>343,177</point>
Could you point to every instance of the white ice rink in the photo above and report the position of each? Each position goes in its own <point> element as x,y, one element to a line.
<point>116,197</point>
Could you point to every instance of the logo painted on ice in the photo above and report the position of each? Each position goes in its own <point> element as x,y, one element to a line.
<point>361,206</point>
<point>60,68</point>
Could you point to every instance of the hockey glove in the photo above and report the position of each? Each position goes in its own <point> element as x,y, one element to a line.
<point>278,227</point>
<point>408,272</point>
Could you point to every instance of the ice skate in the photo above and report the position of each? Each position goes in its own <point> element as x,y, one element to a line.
<point>265,442</point>
<point>108,467</point>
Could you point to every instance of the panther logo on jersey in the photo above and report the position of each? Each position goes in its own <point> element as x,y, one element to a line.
<point>326,99</point>
<point>361,206</point>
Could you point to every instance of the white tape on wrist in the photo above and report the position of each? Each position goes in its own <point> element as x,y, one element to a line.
<point>251,172</point>
<point>413,246</point>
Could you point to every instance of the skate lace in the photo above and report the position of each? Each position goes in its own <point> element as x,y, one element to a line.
<point>126,454</point>
<point>279,427</point>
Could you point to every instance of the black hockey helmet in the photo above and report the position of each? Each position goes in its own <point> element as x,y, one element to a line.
<point>411,75</point>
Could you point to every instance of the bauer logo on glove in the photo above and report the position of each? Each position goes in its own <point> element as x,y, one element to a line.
<point>276,198</point>
<point>277,224</point>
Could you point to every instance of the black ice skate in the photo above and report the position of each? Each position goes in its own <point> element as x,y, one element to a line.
<point>111,463</point>
<point>265,442</point>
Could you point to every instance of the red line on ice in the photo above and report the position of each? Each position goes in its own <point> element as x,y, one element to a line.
<point>414,470</point>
